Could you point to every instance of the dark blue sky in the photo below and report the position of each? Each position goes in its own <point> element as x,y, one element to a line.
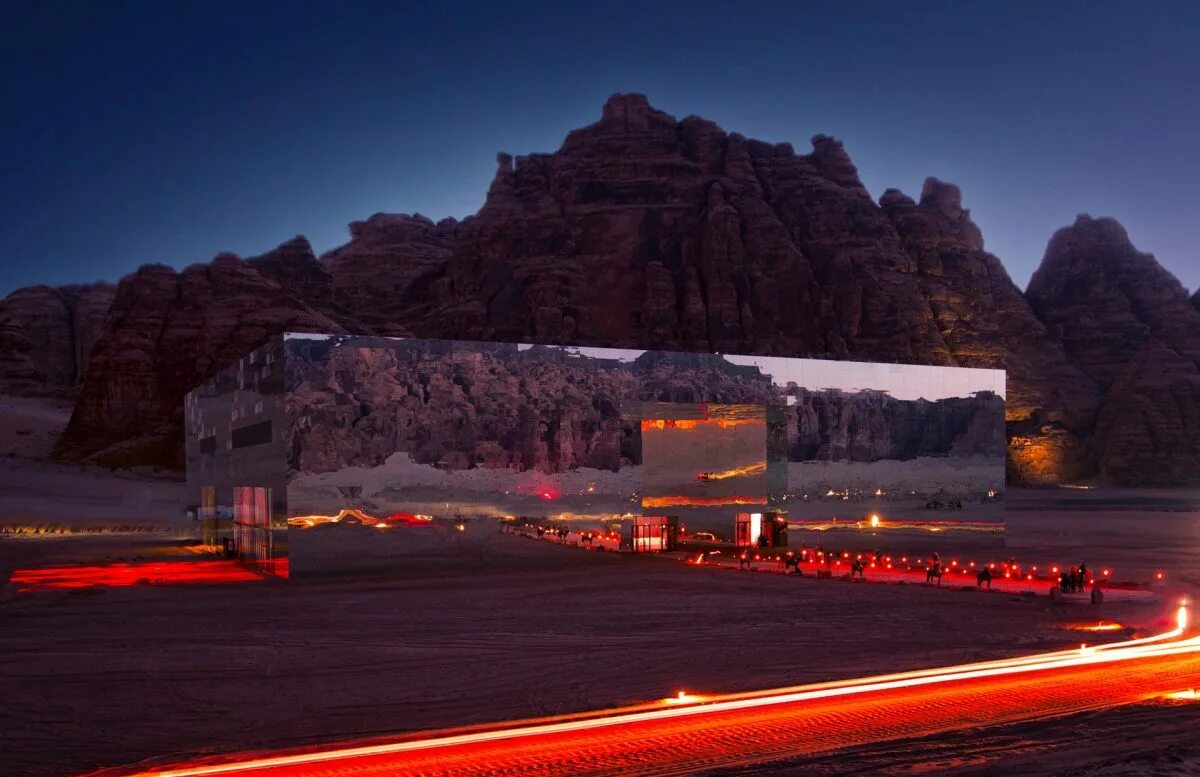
<point>166,132</point>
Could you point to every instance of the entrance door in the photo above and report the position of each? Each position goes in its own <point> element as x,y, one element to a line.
<point>654,533</point>
<point>747,528</point>
<point>252,526</point>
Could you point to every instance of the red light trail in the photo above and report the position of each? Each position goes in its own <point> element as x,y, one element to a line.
<point>697,732</point>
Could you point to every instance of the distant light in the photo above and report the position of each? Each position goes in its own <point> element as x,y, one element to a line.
<point>1102,626</point>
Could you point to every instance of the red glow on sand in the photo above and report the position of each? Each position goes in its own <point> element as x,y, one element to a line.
<point>121,575</point>
<point>408,519</point>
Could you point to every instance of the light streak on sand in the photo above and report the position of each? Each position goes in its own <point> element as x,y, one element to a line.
<point>701,501</point>
<point>1099,627</point>
<point>1067,670</point>
<point>749,469</point>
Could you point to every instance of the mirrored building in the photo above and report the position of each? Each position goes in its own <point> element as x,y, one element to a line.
<point>326,453</point>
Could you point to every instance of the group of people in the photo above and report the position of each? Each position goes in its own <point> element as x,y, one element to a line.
<point>1071,581</point>
<point>1074,579</point>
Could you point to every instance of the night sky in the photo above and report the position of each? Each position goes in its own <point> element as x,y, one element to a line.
<point>167,132</point>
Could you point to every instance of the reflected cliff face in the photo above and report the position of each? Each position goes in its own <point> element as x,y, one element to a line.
<point>458,428</point>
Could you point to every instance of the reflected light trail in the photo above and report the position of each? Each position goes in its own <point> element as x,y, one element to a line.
<point>750,469</point>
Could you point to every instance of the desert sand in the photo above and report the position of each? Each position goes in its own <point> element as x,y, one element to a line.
<point>98,677</point>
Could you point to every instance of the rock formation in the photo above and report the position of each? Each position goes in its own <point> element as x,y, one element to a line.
<point>378,275</point>
<point>987,322</point>
<point>47,334</point>
<point>167,330</point>
<point>646,231</point>
<point>1129,325</point>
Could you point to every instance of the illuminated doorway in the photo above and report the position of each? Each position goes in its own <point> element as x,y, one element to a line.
<point>252,537</point>
<point>764,530</point>
<point>653,533</point>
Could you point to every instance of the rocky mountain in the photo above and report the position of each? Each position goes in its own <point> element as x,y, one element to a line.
<point>47,335</point>
<point>167,330</point>
<point>379,273</point>
<point>1129,325</point>
<point>643,230</point>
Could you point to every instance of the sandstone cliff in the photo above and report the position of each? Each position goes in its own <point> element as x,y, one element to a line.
<point>1129,325</point>
<point>47,334</point>
<point>167,330</point>
<point>647,231</point>
<point>644,230</point>
<point>379,274</point>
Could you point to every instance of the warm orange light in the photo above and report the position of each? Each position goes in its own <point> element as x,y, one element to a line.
<point>366,519</point>
<point>1099,627</point>
<point>683,697</point>
<point>749,469</point>
<point>685,501</point>
<point>661,424</point>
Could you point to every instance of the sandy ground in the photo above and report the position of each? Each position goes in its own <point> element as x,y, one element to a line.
<point>29,426</point>
<point>96,678</point>
<point>1157,739</point>
<point>1135,531</point>
<point>38,496</point>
